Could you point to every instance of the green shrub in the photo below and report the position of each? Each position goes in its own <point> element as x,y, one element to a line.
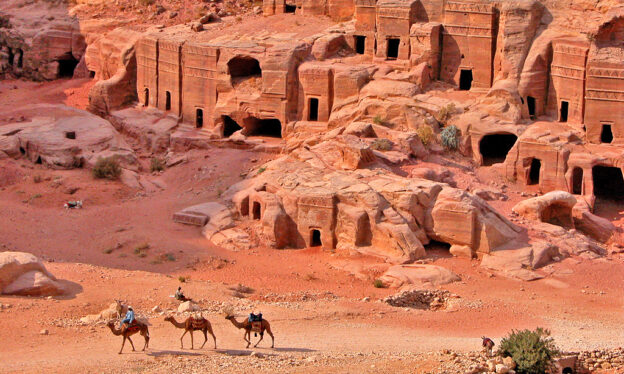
<point>532,351</point>
<point>157,165</point>
<point>262,170</point>
<point>445,113</point>
<point>450,137</point>
<point>182,279</point>
<point>378,283</point>
<point>382,144</point>
<point>425,133</point>
<point>37,179</point>
<point>107,168</point>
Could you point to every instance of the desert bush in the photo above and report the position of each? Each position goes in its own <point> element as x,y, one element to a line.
<point>182,279</point>
<point>532,351</point>
<point>382,144</point>
<point>37,179</point>
<point>157,165</point>
<point>378,283</point>
<point>240,288</point>
<point>147,2</point>
<point>107,168</point>
<point>425,133</point>
<point>445,113</point>
<point>450,137</point>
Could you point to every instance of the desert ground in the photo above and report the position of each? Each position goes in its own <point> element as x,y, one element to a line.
<point>323,308</point>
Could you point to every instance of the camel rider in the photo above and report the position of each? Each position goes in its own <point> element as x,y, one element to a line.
<point>255,317</point>
<point>129,318</point>
<point>179,295</point>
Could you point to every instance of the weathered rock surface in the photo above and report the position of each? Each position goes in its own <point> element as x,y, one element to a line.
<point>305,199</point>
<point>113,59</point>
<point>418,275</point>
<point>62,137</point>
<point>24,274</point>
<point>554,207</point>
<point>34,283</point>
<point>188,306</point>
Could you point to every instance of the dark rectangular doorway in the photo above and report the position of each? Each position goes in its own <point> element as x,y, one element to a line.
<point>393,49</point>
<point>606,135</point>
<point>256,210</point>
<point>535,171</point>
<point>563,111</point>
<point>146,102</point>
<point>360,44</point>
<point>167,100</point>
<point>608,182</point>
<point>290,8</point>
<point>315,238</point>
<point>199,118</point>
<point>531,105</point>
<point>313,110</point>
<point>465,79</point>
<point>577,181</point>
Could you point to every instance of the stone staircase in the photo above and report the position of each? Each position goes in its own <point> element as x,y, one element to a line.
<point>192,131</point>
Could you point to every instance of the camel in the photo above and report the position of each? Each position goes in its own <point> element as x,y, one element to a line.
<point>129,331</point>
<point>247,326</point>
<point>193,324</point>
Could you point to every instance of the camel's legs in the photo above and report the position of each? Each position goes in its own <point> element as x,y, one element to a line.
<point>245,337</point>
<point>205,338</point>
<point>191,332</point>
<point>261,337</point>
<point>132,344</point>
<point>122,344</point>
<point>268,331</point>
<point>181,341</point>
<point>213,335</point>
<point>146,337</point>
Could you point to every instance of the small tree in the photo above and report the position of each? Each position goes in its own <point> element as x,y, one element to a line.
<point>532,351</point>
<point>445,113</point>
<point>425,134</point>
<point>157,164</point>
<point>450,137</point>
<point>381,144</point>
<point>107,168</point>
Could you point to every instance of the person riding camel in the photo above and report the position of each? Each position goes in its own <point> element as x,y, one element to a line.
<point>255,317</point>
<point>128,319</point>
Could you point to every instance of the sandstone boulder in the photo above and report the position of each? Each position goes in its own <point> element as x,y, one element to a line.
<point>34,283</point>
<point>188,306</point>
<point>24,274</point>
<point>554,207</point>
<point>459,218</point>
<point>419,275</point>
<point>590,224</point>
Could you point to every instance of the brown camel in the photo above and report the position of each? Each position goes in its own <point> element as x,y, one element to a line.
<point>193,324</point>
<point>128,331</point>
<point>247,326</point>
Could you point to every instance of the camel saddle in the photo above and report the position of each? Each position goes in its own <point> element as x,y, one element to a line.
<point>134,326</point>
<point>197,323</point>
<point>256,326</point>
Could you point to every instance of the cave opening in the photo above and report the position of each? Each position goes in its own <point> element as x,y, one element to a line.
<point>608,182</point>
<point>229,126</point>
<point>495,147</point>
